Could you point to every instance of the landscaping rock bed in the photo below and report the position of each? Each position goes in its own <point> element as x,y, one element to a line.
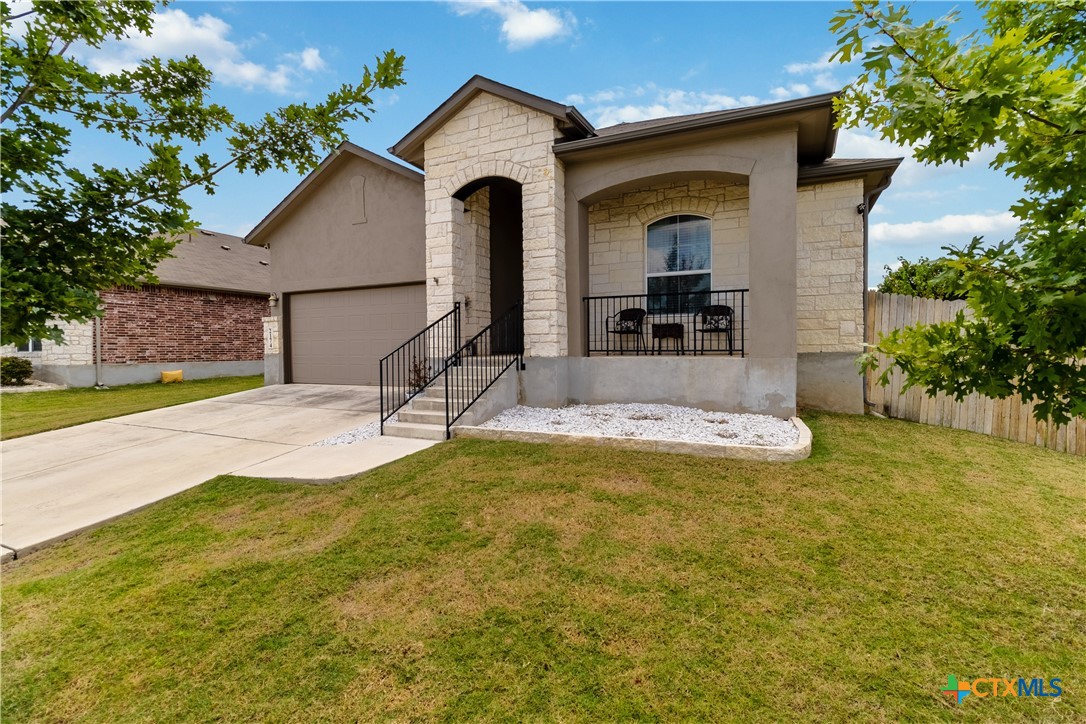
<point>636,426</point>
<point>654,422</point>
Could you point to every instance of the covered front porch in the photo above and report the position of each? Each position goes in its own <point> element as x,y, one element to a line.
<point>712,322</point>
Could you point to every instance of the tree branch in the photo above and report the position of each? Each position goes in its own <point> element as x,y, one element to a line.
<point>29,89</point>
<point>948,88</point>
<point>9,18</point>
<point>908,54</point>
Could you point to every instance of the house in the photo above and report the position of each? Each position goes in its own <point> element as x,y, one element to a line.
<point>523,201</point>
<point>204,316</point>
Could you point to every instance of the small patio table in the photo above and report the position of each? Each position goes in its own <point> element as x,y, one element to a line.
<point>669,330</point>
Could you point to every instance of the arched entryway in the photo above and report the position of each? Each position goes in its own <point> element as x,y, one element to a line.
<point>493,213</point>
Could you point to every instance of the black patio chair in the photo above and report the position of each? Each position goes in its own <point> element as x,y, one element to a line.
<point>716,319</point>
<point>629,322</point>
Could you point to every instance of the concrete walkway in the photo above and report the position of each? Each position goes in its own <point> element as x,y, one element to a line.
<point>59,483</point>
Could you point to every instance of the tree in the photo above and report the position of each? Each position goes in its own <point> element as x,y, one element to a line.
<point>1018,85</point>
<point>928,278</point>
<point>70,232</point>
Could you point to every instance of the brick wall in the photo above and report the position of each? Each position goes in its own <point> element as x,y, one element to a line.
<point>167,324</point>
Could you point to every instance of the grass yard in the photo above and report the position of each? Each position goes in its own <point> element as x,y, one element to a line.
<point>25,413</point>
<point>507,581</point>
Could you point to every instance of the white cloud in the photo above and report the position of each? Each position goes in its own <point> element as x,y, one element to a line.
<point>955,229</point>
<point>853,143</point>
<point>821,65</point>
<point>310,59</point>
<point>177,34</point>
<point>817,74</point>
<point>792,90</point>
<point>625,105</point>
<point>522,26</point>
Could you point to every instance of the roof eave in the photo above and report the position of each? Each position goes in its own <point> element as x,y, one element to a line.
<point>875,172</point>
<point>723,118</point>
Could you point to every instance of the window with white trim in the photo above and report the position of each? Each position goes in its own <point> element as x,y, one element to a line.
<point>679,263</point>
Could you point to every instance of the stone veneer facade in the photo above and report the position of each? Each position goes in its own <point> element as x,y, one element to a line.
<point>829,253</point>
<point>78,347</point>
<point>494,137</point>
<point>476,236</point>
<point>830,267</point>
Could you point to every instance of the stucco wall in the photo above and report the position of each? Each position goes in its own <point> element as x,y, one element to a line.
<point>731,384</point>
<point>830,268</point>
<point>358,225</point>
<point>489,137</point>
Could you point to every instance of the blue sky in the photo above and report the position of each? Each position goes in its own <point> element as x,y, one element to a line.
<point>614,61</point>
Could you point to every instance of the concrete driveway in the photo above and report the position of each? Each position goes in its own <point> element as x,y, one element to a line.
<point>58,483</point>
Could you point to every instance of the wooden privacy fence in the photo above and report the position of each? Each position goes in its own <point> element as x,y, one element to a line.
<point>1008,418</point>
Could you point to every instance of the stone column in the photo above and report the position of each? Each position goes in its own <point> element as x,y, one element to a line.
<point>444,255</point>
<point>545,321</point>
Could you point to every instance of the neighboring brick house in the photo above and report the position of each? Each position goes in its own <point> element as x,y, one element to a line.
<point>523,201</point>
<point>203,317</point>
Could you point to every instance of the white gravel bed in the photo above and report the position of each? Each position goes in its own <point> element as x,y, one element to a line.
<point>652,422</point>
<point>358,434</point>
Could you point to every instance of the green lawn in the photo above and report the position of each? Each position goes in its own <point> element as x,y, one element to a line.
<point>483,580</point>
<point>25,413</point>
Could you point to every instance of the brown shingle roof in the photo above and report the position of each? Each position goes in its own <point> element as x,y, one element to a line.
<point>216,261</point>
<point>650,123</point>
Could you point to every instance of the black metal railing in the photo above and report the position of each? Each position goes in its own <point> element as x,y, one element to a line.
<point>480,361</point>
<point>408,369</point>
<point>709,322</point>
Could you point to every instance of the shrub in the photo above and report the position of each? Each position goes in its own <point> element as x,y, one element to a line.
<point>418,375</point>
<point>929,278</point>
<point>15,370</point>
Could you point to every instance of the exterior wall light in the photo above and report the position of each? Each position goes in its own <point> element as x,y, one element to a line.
<point>273,299</point>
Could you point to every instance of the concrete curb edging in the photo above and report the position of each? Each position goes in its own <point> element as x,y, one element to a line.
<point>789,453</point>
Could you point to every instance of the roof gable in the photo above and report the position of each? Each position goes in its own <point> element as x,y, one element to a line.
<point>410,147</point>
<point>302,189</point>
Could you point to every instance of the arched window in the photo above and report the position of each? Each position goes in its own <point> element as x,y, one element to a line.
<point>679,263</point>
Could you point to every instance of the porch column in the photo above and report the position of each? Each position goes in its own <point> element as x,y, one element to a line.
<point>576,271</point>
<point>773,256</point>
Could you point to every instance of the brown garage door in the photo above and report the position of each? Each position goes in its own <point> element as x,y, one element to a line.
<point>339,337</point>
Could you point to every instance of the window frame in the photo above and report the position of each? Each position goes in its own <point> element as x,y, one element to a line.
<point>689,272</point>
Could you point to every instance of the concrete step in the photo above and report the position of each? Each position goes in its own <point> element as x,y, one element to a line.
<point>426,417</point>
<point>423,402</point>
<point>417,430</point>
<point>437,392</point>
